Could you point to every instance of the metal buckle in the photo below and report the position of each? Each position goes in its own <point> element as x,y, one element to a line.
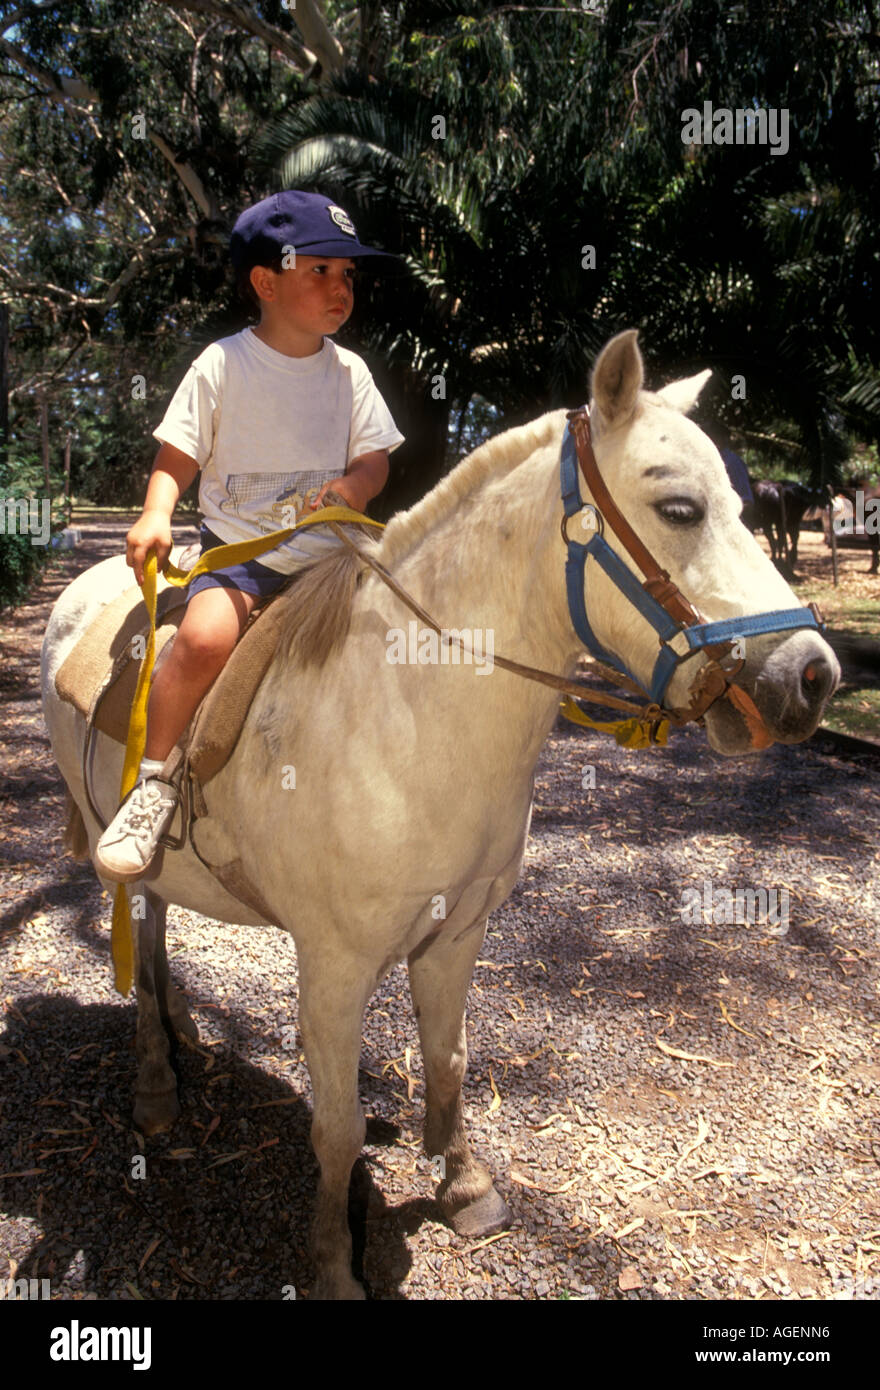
<point>169,841</point>
<point>584,507</point>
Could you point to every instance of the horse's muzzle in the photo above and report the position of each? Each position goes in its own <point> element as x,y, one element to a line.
<point>790,683</point>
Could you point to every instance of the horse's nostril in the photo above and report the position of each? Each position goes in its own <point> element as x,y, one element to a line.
<point>816,678</point>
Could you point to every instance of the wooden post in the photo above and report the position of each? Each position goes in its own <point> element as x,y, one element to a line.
<point>4,381</point>
<point>833,537</point>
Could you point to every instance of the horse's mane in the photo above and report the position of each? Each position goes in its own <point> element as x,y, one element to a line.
<point>499,455</point>
<point>318,604</point>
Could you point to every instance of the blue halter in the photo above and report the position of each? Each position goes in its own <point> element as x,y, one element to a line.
<point>691,639</point>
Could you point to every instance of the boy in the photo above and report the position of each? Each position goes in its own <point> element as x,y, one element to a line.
<point>271,416</point>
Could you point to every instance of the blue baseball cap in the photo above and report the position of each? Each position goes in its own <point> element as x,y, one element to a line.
<point>312,224</point>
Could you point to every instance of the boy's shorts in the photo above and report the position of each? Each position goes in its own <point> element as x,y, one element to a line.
<point>249,578</point>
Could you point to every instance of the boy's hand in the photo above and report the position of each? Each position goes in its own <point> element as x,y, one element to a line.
<point>364,478</point>
<point>348,487</point>
<point>151,531</point>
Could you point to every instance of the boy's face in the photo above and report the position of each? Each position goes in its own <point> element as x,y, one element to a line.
<point>315,296</point>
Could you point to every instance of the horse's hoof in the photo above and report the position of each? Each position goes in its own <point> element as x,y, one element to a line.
<point>337,1287</point>
<point>484,1217</point>
<point>179,1015</point>
<point>182,1023</point>
<point>154,1113</point>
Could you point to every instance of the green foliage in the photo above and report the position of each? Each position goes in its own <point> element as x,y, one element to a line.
<point>562,130</point>
<point>20,559</point>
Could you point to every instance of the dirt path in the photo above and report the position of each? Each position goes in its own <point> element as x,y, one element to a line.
<point>674,1111</point>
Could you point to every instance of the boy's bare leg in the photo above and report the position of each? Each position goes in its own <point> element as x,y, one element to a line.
<point>211,626</point>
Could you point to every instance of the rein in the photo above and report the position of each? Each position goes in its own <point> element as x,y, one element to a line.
<point>634,731</point>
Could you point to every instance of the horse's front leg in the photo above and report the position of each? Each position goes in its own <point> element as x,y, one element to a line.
<point>156,1105</point>
<point>439,975</point>
<point>332,997</point>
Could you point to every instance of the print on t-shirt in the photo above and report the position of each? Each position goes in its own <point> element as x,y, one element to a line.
<point>280,498</point>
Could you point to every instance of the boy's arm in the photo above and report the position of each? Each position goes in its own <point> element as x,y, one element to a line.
<point>173,471</point>
<point>363,479</point>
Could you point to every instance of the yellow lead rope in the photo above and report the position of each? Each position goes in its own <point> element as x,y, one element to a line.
<point>121,938</point>
<point>629,733</point>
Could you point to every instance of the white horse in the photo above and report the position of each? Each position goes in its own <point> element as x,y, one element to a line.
<point>413,783</point>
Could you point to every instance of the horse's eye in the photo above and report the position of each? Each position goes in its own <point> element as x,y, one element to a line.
<point>681,511</point>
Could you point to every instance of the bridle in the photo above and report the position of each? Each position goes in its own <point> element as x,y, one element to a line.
<point>681,628</point>
<point>675,620</point>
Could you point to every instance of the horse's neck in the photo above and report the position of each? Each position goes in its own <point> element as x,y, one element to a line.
<point>496,562</point>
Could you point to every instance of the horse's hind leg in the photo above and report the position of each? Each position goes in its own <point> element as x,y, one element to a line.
<point>156,1105</point>
<point>439,976</point>
<point>332,998</point>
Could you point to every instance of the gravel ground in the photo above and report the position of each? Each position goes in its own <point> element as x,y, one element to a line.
<point>673,1111</point>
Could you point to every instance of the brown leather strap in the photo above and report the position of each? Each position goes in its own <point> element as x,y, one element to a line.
<point>657,581</point>
<point>712,681</point>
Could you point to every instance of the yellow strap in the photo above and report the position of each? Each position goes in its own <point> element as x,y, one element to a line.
<point>121,943</point>
<point>238,552</point>
<point>121,937</point>
<point>629,733</point>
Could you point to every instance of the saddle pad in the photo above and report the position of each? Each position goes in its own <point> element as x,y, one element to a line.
<point>219,718</point>
<point>217,723</point>
<point>104,644</point>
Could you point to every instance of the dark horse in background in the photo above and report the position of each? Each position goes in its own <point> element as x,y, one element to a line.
<point>778,510</point>
<point>870,492</point>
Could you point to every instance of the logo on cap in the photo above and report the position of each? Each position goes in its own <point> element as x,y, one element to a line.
<point>342,220</point>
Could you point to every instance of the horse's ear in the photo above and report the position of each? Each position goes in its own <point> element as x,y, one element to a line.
<point>617,378</point>
<point>682,395</point>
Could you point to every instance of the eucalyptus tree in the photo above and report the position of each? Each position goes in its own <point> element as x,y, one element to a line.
<point>125,134</point>
<point>526,162</point>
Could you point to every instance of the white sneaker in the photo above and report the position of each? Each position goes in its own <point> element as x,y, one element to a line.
<point>132,837</point>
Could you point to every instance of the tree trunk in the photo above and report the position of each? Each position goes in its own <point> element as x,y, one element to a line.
<point>370,60</point>
<point>833,538</point>
<point>4,382</point>
<point>67,480</point>
<point>44,436</point>
<point>315,30</point>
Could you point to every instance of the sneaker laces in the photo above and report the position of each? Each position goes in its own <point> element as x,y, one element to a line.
<point>143,810</point>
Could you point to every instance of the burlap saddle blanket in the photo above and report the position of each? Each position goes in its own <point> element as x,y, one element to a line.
<point>100,673</point>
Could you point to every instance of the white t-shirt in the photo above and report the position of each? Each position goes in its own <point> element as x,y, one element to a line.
<point>267,432</point>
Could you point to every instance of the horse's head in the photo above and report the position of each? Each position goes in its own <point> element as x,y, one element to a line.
<point>670,483</point>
